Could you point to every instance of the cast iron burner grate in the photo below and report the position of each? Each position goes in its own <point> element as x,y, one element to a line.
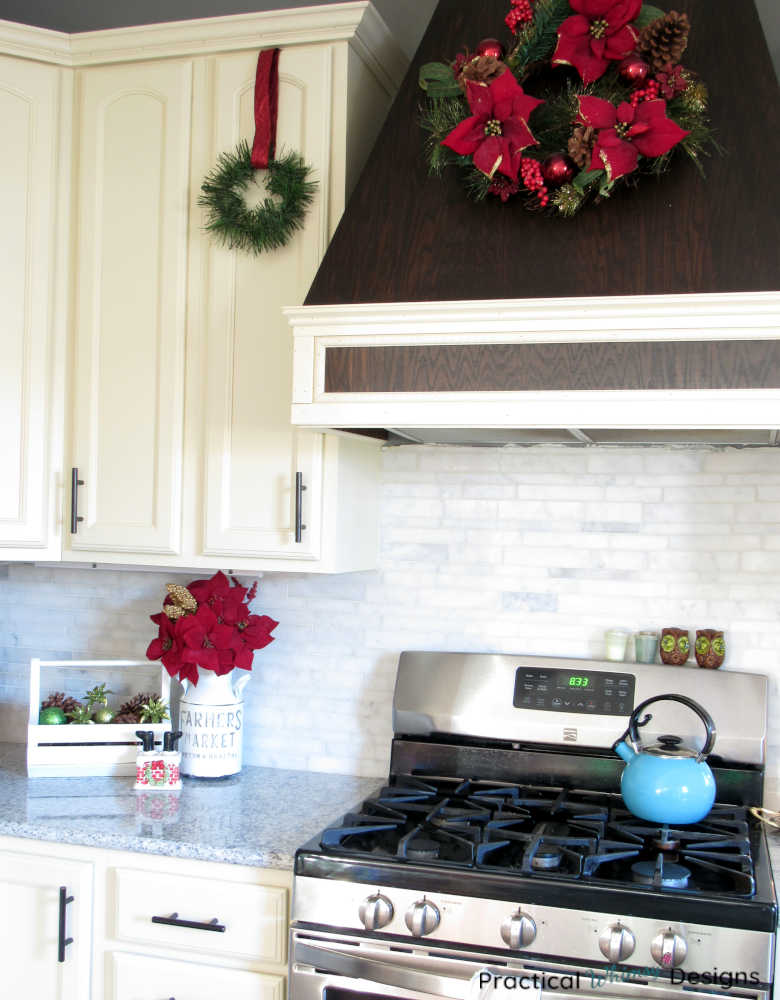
<point>540,832</point>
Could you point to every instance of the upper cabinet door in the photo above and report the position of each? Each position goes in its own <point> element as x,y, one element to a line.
<point>30,390</point>
<point>252,453</point>
<point>134,126</point>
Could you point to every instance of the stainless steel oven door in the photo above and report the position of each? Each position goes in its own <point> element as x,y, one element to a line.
<point>326,966</point>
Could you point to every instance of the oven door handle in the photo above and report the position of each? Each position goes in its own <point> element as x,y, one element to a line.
<point>357,967</point>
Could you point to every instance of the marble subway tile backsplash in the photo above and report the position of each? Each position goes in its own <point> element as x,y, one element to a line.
<point>535,550</point>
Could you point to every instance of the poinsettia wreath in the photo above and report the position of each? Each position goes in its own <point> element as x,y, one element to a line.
<point>208,624</point>
<point>612,101</point>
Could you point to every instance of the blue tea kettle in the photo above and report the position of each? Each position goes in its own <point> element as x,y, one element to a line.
<point>666,783</point>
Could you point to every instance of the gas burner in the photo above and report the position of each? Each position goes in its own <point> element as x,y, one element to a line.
<point>666,842</point>
<point>421,849</point>
<point>546,857</point>
<point>660,873</point>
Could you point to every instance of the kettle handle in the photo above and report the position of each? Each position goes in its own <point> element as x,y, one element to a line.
<point>694,706</point>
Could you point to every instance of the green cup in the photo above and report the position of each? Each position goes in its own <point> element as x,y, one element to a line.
<point>645,646</point>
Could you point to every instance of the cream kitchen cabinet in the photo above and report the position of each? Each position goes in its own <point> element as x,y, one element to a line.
<point>138,977</point>
<point>133,128</point>
<point>220,929</point>
<point>182,374</point>
<point>33,207</point>
<point>45,926</point>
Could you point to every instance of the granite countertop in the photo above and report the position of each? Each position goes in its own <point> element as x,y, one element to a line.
<point>258,817</point>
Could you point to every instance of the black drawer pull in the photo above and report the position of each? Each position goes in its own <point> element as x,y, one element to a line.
<point>62,941</point>
<point>300,527</point>
<point>199,925</point>
<point>75,482</point>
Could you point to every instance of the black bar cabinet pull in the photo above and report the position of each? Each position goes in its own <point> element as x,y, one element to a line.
<point>300,527</point>
<point>75,482</point>
<point>62,941</point>
<point>199,925</point>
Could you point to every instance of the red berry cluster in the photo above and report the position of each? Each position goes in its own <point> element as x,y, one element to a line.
<point>521,13</point>
<point>531,175</point>
<point>503,187</point>
<point>648,93</point>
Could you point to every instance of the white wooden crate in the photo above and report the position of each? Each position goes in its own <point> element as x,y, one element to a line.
<point>77,751</point>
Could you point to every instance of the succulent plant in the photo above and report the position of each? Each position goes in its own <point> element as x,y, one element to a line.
<point>155,710</point>
<point>81,716</point>
<point>98,695</point>
<point>130,711</point>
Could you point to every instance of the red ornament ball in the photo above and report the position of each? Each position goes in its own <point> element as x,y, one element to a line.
<point>633,70</point>
<point>490,47</point>
<point>557,169</point>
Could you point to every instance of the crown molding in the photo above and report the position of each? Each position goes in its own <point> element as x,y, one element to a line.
<point>355,22</point>
<point>702,316</point>
<point>39,44</point>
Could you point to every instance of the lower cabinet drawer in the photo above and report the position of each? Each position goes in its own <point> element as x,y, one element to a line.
<point>254,917</point>
<point>138,977</point>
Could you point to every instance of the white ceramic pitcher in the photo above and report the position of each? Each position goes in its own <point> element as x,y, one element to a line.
<point>211,718</point>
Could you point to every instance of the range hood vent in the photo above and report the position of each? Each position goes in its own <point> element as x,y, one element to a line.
<point>654,318</point>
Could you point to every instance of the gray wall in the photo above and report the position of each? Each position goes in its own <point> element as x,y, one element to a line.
<point>406,18</point>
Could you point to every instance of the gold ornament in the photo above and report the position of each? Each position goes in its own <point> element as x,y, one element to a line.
<point>174,612</point>
<point>182,597</point>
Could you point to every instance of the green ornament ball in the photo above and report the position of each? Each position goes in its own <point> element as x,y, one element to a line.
<point>52,716</point>
<point>103,715</point>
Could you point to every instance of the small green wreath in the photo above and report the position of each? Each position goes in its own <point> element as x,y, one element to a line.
<point>268,225</point>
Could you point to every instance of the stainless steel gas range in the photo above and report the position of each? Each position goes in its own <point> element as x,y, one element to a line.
<point>500,854</point>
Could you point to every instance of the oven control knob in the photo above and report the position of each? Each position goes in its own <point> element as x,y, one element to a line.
<point>617,943</point>
<point>518,931</point>
<point>375,912</point>
<point>422,917</point>
<point>668,949</point>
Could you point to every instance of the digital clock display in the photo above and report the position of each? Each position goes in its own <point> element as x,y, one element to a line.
<point>569,682</point>
<point>551,689</point>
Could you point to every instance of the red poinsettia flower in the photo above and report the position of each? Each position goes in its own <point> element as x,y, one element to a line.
<point>220,635</point>
<point>166,646</point>
<point>626,132</point>
<point>597,34</point>
<point>203,639</point>
<point>205,591</point>
<point>497,131</point>
<point>256,631</point>
<point>671,81</point>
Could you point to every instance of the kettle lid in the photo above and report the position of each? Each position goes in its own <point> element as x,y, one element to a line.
<point>670,746</point>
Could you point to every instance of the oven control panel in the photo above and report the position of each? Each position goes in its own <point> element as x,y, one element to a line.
<point>584,692</point>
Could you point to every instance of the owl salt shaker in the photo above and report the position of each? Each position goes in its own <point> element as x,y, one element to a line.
<point>710,648</point>
<point>675,646</point>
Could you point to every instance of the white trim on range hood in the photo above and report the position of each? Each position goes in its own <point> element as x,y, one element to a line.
<point>672,318</point>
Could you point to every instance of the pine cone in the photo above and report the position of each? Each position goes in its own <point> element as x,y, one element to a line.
<point>60,700</point>
<point>664,40</point>
<point>132,708</point>
<point>481,69</point>
<point>581,145</point>
<point>127,719</point>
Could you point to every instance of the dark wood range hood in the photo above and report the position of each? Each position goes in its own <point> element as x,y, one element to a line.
<point>655,316</point>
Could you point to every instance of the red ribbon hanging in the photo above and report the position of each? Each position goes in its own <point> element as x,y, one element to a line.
<point>266,107</point>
